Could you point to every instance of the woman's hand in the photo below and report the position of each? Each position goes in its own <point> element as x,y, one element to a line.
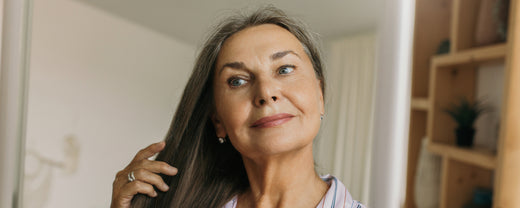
<point>146,176</point>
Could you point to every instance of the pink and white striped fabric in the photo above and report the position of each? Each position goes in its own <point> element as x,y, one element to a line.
<point>336,197</point>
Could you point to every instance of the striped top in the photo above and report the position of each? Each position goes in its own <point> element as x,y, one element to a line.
<point>336,197</point>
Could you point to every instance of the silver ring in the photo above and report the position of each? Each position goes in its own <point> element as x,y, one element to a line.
<point>131,176</point>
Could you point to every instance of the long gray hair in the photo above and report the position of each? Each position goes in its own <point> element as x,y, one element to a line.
<point>210,173</point>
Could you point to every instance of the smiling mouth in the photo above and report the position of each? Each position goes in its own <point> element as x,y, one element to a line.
<point>271,121</point>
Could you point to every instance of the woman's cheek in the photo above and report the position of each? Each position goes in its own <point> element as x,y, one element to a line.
<point>303,95</point>
<point>235,110</point>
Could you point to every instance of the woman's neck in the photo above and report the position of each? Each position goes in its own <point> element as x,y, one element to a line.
<point>285,180</point>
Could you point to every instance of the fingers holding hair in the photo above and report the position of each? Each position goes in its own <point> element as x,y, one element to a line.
<point>150,151</point>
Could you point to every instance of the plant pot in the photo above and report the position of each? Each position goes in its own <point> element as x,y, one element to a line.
<point>465,136</point>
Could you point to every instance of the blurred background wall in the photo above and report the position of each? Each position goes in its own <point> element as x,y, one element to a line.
<point>109,84</point>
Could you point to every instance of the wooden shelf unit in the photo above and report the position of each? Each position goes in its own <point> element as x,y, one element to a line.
<point>420,104</point>
<point>480,157</point>
<point>474,55</point>
<point>440,80</point>
<point>459,180</point>
<point>452,77</point>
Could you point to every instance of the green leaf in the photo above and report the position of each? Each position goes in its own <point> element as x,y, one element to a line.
<point>465,113</point>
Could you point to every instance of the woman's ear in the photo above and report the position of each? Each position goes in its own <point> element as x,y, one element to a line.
<point>219,126</point>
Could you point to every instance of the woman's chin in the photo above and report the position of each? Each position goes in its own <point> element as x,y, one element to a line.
<point>274,141</point>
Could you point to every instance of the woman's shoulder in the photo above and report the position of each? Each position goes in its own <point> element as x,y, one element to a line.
<point>337,195</point>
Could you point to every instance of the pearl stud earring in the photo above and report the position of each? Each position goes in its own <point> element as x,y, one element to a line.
<point>221,140</point>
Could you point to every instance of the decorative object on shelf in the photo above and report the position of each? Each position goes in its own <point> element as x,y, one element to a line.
<point>465,113</point>
<point>427,178</point>
<point>482,198</point>
<point>491,22</point>
<point>501,12</point>
<point>444,47</point>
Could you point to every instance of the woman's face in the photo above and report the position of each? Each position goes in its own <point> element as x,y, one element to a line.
<point>268,99</point>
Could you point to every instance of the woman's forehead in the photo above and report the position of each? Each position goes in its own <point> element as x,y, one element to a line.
<point>259,41</point>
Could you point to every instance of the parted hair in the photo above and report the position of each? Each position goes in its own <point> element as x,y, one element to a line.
<point>210,173</point>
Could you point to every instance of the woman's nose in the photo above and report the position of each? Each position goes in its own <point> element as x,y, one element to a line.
<point>267,92</point>
<point>263,101</point>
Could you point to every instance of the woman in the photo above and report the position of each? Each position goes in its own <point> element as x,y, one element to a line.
<point>243,131</point>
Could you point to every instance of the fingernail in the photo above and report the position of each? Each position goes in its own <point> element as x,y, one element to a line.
<point>166,187</point>
<point>154,194</point>
<point>173,169</point>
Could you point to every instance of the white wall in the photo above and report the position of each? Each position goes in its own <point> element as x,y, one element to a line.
<point>490,88</point>
<point>111,84</point>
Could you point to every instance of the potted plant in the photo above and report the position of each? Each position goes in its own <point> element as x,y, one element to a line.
<point>465,113</point>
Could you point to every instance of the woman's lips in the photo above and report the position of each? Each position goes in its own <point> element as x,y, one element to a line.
<point>274,120</point>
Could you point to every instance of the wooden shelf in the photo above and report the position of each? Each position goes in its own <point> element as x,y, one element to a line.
<point>474,55</point>
<point>420,104</point>
<point>440,80</point>
<point>477,156</point>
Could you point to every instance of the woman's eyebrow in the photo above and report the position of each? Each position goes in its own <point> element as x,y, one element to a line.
<point>281,54</point>
<point>242,66</point>
<point>233,65</point>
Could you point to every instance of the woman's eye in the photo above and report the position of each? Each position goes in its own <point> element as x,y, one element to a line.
<point>286,69</point>
<point>236,82</point>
